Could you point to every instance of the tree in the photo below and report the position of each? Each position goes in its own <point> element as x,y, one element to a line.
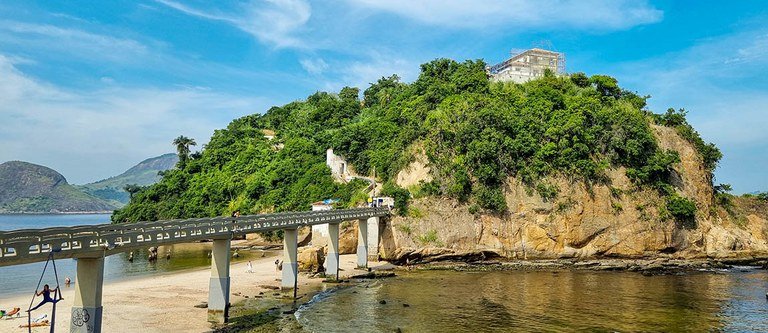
<point>182,144</point>
<point>132,189</point>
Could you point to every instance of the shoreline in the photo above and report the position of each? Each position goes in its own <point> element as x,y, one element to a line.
<point>166,301</point>
<point>658,266</point>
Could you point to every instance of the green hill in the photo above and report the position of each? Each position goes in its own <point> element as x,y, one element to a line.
<point>143,174</point>
<point>475,133</point>
<point>31,188</point>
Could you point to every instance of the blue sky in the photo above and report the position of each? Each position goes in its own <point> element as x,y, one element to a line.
<point>89,88</point>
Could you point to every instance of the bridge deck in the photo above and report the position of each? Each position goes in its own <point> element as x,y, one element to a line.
<point>33,245</point>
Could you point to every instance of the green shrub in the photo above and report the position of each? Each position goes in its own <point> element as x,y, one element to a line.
<point>405,228</point>
<point>683,210</point>
<point>491,198</point>
<point>547,191</point>
<point>709,153</point>
<point>401,196</point>
<point>414,212</point>
<point>617,208</point>
<point>430,238</point>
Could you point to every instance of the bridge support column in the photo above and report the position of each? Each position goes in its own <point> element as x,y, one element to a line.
<point>86,311</point>
<point>332,263</point>
<point>362,244</point>
<point>373,238</point>
<point>290,264</point>
<point>218,289</point>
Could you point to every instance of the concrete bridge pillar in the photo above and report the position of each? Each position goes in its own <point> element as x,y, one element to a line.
<point>362,243</point>
<point>218,290</point>
<point>332,263</point>
<point>86,311</point>
<point>290,264</point>
<point>373,238</point>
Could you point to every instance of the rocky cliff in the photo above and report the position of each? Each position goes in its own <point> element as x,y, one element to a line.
<point>615,219</point>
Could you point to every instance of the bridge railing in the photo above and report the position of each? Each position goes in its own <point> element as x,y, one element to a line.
<point>31,245</point>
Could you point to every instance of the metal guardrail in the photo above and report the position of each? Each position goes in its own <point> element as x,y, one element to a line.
<point>32,245</point>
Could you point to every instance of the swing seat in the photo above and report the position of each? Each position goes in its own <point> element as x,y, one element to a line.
<point>56,298</point>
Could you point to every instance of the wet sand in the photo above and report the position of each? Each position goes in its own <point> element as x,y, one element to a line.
<point>164,302</point>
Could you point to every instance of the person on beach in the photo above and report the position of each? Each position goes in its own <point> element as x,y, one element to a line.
<point>278,267</point>
<point>46,293</point>
<point>249,267</point>
<point>67,281</point>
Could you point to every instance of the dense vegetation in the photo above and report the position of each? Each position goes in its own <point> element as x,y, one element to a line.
<point>475,133</point>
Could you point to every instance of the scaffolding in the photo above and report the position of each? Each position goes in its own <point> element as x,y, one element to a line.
<point>533,61</point>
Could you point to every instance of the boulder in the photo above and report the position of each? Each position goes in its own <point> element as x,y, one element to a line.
<point>348,239</point>
<point>305,236</point>
<point>311,259</point>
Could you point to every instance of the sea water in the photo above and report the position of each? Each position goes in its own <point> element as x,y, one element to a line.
<point>545,301</point>
<point>22,279</point>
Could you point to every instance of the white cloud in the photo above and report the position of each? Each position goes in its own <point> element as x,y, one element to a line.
<point>72,41</point>
<point>720,82</point>
<point>377,65</point>
<point>715,80</point>
<point>314,66</point>
<point>274,22</point>
<point>598,14</point>
<point>95,134</point>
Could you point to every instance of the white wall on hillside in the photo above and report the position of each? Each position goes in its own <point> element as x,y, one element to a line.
<point>337,164</point>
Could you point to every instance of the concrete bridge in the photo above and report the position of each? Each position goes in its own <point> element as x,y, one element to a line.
<point>90,244</point>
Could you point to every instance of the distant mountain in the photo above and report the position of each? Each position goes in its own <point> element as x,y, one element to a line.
<point>32,188</point>
<point>142,174</point>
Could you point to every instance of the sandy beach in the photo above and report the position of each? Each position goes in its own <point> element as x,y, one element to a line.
<point>165,302</point>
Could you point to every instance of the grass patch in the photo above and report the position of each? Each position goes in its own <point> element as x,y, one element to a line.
<point>617,208</point>
<point>405,228</point>
<point>430,238</point>
<point>415,213</point>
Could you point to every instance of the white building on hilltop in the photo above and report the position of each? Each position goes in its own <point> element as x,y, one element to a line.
<point>528,65</point>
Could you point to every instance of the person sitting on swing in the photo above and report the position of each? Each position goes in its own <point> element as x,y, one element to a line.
<point>46,293</point>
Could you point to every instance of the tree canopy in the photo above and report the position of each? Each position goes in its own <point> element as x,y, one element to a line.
<point>476,134</point>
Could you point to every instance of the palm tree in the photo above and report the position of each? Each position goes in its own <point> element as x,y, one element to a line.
<point>182,144</point>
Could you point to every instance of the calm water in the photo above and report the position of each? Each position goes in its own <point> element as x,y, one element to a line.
<point>23,278</point>
<point>566,301</point>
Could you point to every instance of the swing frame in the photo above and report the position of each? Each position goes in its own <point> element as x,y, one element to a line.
<point>57,295</point>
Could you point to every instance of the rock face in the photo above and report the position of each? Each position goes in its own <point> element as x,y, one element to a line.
<point>31,188</point>
<point>347,239</point>
<point>311,259</point>
<point>613,220</point>
<point>418,170</point>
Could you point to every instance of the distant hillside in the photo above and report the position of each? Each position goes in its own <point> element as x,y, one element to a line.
<point>142,174</point>
<point>32,188</point>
